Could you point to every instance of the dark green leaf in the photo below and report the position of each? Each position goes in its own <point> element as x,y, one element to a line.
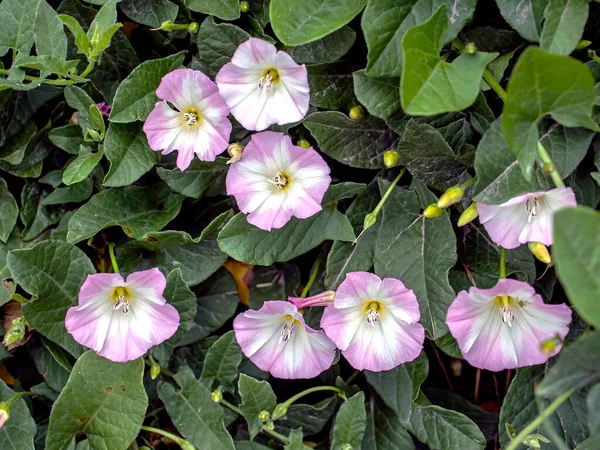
<point>199,179</point>
<point>222,361</point>
<point>312,418</point>
<point>18,432</point>
<point>564,21</point>
<point>384,432</point>
<point>350,423</point>
<point>327,49</point>
<point>50,37</point>
<point>18,19</point>
<point>9,211</point>
<point>331,86</point>
<point>257,396</point>
<point>67,138</point>
<point>81,167</point>
<point>381,96</point>
<point>223,9</point>
<point>524,16</point>
<point>149,12</point>
<point>75,193</point>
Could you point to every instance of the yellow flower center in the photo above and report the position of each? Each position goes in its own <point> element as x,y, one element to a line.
<point>374,310</point>
<point>281,181</point>
<point>190,117</point>
<point>121,295</point>
<point>507,304</point>
<point>288,329</point>
<point>269,77</point>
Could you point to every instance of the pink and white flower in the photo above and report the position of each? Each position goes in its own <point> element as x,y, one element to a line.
<point>199,122</point>
<point>275,180</point>
<point>277,340</point>
<point>263,86</point>
<point>120,319</point>
<point>374,322</point>
<point>504,327</point>
<point>526,218</point>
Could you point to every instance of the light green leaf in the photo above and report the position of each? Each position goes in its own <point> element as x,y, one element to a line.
<point>135,97</point>
<point>18,19</point>
<point>350,423</point>
<point>78,99</point>
<point>9,211</point>
<point>149,12</point>
<point>296,23</point>
<point>380,95</point>
<point>179,295</point>
<point>249,244</point>
<point>53,271</point>
<point>80,168</point>
<point>18,432</point>
<point>295,441</point>
<point>357,143</point>
<point>103,399</point>
<point>221,362</point>
<point>223,9</point>
<point>429,85</point>
<point>525,16</point>
<point>50,37</point>
<point>199,179</point>
<point>428,249</point>
<point>541,84</point>
<point>577,256</point>
<point>326,50</point>
<point>129,154</point>
<point>104,20</point>
<point>385,22</point>
<point>564,21</point>
<point>217,43</point>
<point>81,40</point>
<point>257,396</point>
<point>196,416</point>
<point>137,210</point>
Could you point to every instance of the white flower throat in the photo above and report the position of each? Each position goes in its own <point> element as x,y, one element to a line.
<point>507,308</point>
<point>266,81</point>
<point>533,208</point>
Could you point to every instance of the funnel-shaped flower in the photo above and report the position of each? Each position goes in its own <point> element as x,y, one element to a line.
<point>277,340</point>
<point>262,86</point>
<point>504,327</point>
<point>120,319</point>
<point>374,322</point>
<point>275,180</point>
<point>526,218</point>
<point>198,122</point>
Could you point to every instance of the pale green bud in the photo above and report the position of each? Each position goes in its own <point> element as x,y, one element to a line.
<point>468,215</point>
<point>280,411</point>
<point>303,143</point>
<point>193,27</point>
<point>4,413</point>
<point>167,25</point>
<point>154,370</point>
<point>369,221</point>
<point>451,196</point>
<point>264,416</point>
<point>390,158</point>
<point>186,445</point>
<point>470,48</point>
<point>432,211</point>
<point>583,44</point>
<point>540,251</point>
<point>244,7</point>
<point>357,112</point>
<point>217,396</point>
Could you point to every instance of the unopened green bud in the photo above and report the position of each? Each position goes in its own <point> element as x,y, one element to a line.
<point>4,413</point>
<point>533,441</point>
<point>93,136</point>
<point>369,221</point>
<point>451,196</point>
<point>540,251</point>
<point>550,345</point>
<point>548,168</point>
<point>432,211</point>
<point>217,396</point>
<point>280,411</point>
<point>583,44</point>
<point>357,112</point>
<point>347,446</point>
<point>167,25</point>
<point>154,370</point>
<point>264,416</point>
<point>270,425</point>
<point>244,7</point>
<point>390,158</point>
<point>468,215</point>
<point>470,48</point>
<point>193,27</point>
<point>16,331</point>
<point>303,143</point>
<point>187,445</point>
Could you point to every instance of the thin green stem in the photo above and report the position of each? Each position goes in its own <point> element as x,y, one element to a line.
<point>388,192</point>
<point>273,433</point>
<point>469,182</point>
<point>489,78</point>
<point>531,427</point>
<point>113,260</point>
<point>352,377</point>
<point>162,369</point>
<point>164,433</point>
<point>313,277</point>
<point>88,69</point>
<point>503,263</point>
<point>549,166</point>
<point>298,396</point>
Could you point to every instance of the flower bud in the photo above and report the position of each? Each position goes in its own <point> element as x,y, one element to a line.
<point>235,150</point>
<point>270,425</point>
<point>432,211</point>
<point>187,445</point>
<point>369,221</point>
<point>16,332</point>
<point>264,416</point>
<point>583,44</point>
<point>280,411</point>
<point>468,215</point>
<point>217,396</point>
<point>154,370</point>
<point>357,112</point>
<point>390,158</point>
<point>533,441</point>
<point>167,25</point>
<point>244,7</point>
<point>4,413</point>
<point>540,251</point>
<point>193,27</point>
<point>451,196</point>
<point>470,48</point>
<point>303,143</point>
<point>549,346</point>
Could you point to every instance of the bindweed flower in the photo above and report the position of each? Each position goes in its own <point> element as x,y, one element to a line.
<point>276,180</point>
<point>374,322</point>
<point>526,218</point>
<point>4,413</point>
<point>277,340</point>
<point>104,108</point>
<point>263,86</point>
<point>504,327</point>
<point>119,319</point>
<point>323,299</point>
<point>199,124</point>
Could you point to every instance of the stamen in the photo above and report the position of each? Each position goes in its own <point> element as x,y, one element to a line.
<point>265,82</point>
<point>533,207</point>
<point>279,180</point>
<point>507,315</point>
<point>372,317</point>
<point>121,303</point>
<point>190,118</point>
<point>287,332</point>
